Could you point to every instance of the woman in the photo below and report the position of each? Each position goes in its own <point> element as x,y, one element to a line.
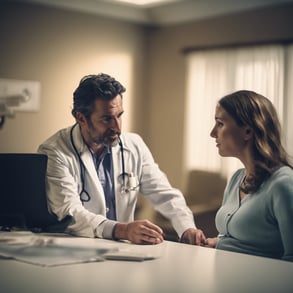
<point>256,216</point>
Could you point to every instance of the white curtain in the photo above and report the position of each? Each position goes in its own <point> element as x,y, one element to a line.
<point>215,73</point>
<point>288,100</point>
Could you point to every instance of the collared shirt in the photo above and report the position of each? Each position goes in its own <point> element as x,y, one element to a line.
<point>104,168</point>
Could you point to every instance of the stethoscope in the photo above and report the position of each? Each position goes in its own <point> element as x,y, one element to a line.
<point>128,181</point>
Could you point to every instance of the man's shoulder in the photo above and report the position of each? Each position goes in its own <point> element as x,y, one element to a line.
<point>59,137</point>
<point>132,140</point>
<point>131,137</point>
<point>59,133</point>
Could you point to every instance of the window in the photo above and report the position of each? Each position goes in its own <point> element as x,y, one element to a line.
<point>215,73</point>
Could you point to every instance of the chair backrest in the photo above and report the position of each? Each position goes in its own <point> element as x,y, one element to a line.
<point>204,187</point>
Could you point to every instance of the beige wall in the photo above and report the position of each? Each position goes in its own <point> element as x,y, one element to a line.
<point>167,73</point>
<point>58,47</point>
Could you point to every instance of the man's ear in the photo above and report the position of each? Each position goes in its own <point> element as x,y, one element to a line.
<point>80,118</point>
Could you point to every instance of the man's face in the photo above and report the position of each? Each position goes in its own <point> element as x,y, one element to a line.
<point>104,125</point>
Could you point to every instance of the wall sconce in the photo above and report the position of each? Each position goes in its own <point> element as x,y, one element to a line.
<point>17,95</point>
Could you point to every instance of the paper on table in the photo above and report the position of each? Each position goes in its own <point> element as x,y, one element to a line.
<point>29,248</point>
<point>17,237</point>
<point>53,251</point>
<point>50,255</point>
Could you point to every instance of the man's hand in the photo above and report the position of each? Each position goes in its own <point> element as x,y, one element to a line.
<point>193,236</point>
<point>139,232</point>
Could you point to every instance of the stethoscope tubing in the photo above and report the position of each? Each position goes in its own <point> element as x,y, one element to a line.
<point>82,167</point>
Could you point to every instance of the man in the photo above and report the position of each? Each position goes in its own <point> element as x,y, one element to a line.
<point>95,173</point>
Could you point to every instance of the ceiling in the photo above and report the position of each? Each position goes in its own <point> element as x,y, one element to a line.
<point>161,13</point>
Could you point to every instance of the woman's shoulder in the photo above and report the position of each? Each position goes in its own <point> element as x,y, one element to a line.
<point>235,179</point>
<point>237,175</point>
<point>281,182</point>
<point>282,174</point>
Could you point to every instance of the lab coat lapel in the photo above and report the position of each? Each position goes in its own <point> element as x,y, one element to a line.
<point>87,160</point>
<point>122,199</point>
<point>117,169</point>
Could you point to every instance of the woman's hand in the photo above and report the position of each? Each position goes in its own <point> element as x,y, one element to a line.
<point>193,236</point>
<point>212,242</point>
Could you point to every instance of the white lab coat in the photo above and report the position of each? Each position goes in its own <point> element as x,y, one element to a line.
<point>64,184</point>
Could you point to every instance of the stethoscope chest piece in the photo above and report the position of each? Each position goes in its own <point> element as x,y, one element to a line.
<point>129,182</point>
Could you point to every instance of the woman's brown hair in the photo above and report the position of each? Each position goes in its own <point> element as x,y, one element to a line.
<point>251,109</point>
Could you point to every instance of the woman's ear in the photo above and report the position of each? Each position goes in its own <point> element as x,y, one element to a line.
<point>248,133</point>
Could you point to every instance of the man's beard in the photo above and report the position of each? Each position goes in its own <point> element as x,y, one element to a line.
<point>108,139</point>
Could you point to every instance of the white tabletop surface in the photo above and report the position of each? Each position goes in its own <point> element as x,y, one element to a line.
<point>178,268</point>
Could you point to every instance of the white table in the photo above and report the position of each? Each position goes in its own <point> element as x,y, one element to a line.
<point>180,268</point>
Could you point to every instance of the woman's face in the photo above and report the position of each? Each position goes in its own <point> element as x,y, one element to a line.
<point>231,139</point>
